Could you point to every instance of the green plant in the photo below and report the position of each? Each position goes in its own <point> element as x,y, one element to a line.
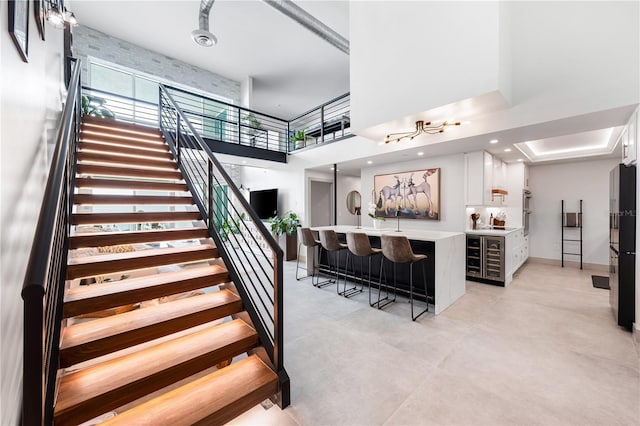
<point>287,224</point>
<point>253,123</point>
<point>94,106</point>
<point>231,226</point>
<point>298,136</point>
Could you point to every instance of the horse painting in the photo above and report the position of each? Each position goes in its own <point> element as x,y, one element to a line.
<point>423,188</point>
<point>404,197</point>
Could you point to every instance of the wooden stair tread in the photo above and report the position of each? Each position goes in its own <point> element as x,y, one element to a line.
<point>132,199</point>
<point>90,392</point>
<point>130,184</point>
<point>92,169</point>
<point>108,123</point>
<point>100,157</point>
<point>213,399</point>
<point>106,142</point>
<point>127,138</point>
<point>101,336</point>
<point>96,297</point>
<point>125,150</point>
<point>137,217</point>
<point>109,263</point>
<point>99,239</point>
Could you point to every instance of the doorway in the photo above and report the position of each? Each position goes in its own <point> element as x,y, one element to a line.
<point>321,203</point>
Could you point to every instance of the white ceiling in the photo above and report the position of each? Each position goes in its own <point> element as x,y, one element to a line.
<point>293,70</point>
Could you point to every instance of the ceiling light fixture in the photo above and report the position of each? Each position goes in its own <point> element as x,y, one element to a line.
<point>428,127</point>
<point>520,160</point>
<point>54,16</point>
<point>493,141</point>
<point>202,36</point>
<point>369,162</point>
<point>420,153</point>
<point>507,150</point>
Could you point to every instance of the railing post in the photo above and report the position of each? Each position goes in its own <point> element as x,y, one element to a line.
<point>287,138</point>
<point>210,196</point>
<point>177,137</point>
<point>160,108</point>
<point>239,127</point>
<point>322,124</point>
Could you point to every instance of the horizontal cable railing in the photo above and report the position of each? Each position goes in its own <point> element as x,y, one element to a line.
<point>220,121</point>
<point>43,289</point>
<point>252,256</point>
<point>329,122</point>
<point>104,104</point>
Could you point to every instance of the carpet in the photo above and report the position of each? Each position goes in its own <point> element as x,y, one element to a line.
<point>600,282</point>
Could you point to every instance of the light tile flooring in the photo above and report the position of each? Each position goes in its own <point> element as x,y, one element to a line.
<point>545,350</point>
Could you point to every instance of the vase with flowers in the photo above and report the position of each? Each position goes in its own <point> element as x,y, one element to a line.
<point>377,220</point>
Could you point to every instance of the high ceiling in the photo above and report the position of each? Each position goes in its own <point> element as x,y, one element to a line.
<point>293,70</point>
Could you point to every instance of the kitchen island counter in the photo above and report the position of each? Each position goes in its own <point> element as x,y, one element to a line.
<point>445,266</point>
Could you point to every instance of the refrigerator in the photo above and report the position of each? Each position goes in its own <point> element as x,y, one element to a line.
<point>622,243</point>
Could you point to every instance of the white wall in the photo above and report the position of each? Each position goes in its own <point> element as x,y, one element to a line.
<point>586,180</point>
<point>347,184</point>
<point>408,57</point>
<point>31,96</point>
<point>452,209</point>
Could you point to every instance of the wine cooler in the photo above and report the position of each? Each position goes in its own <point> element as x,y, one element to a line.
<point>485,257</point>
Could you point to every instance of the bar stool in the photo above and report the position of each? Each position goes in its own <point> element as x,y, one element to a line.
<point>309,241</point>
<point>359,246</point>
<point>397,249</point>
<point>329,242</point>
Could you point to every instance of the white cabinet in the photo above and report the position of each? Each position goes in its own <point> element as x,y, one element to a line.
<point>629,140</point>
<point>519,249</point>
<point>483,172</point>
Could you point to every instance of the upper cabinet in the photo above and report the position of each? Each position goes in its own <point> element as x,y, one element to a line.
<point>484,174</point>
<point>629,140</point>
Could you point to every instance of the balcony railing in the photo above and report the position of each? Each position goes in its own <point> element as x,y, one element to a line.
<point>220,121</point>
<point>327,123</point>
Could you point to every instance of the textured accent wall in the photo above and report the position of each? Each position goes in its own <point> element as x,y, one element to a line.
<point>89,42</point>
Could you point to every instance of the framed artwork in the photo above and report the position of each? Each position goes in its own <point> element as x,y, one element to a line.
<point>19,25</point>
<point>40,15</point>
<point>411,195</point>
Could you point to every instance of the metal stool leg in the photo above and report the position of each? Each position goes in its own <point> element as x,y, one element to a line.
<point>352,290</point>
<point>319,284</point>
<point>426,293</point>
<point>387,300</point>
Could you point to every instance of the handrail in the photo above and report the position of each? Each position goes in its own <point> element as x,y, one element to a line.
<point>336,99</point>
<point>43,288</point>
<point>257,277</point>
<point>129,98</point>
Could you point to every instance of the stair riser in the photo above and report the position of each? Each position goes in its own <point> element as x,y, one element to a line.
<point>105,143</point>
<point>90,240</point>
<point>125,139</point>
<point>124,150</point>
<point>130,185</point>
<point>133,218</point>
<point>88,121</point>
<point>133,391</point>
<point>93,157</point>
<point>85,169</point>
<point>121,265</point>
<point>81,353</point>
<point>86,306</point>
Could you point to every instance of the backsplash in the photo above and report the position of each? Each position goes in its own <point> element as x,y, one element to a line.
<point>485,214</point>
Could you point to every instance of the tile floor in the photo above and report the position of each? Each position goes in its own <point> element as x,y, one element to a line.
<point>545,350</point>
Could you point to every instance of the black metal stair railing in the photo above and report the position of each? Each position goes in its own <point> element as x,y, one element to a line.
<point>251,254</point>
<point>43,289</point>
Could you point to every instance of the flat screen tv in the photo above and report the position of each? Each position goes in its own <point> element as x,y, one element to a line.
<point>264,202</point>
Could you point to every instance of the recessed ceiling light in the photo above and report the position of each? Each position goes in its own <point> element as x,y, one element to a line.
<point>520,159</point>
<point>493,141</point>
<point>421,153</point>
<point>244,161</point>
<point>369,162</point>
<point>507,150</point>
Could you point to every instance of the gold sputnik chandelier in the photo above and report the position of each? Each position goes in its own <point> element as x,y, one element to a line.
<point>421,127</point>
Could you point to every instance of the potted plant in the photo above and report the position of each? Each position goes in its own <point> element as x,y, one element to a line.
<point>94,107</point>
<point>298,137</point>
<point>287,225</point>
<point>231,226</point>
<point>254,127</point>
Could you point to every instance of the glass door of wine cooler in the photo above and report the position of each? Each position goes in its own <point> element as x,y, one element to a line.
<point>474,256</point>
<point>494,258</point>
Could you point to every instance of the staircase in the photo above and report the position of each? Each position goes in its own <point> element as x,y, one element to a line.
<point>150,341</point>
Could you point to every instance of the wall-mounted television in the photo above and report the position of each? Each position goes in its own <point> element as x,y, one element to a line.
<point>264,202</point>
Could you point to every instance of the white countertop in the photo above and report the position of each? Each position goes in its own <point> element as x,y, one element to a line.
<point>412,234</point>
<point>491,231</point>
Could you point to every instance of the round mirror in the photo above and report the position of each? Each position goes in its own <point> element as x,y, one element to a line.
<point>354,202</point>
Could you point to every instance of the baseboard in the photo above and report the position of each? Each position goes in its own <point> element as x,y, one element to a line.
<point>596,267</point>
